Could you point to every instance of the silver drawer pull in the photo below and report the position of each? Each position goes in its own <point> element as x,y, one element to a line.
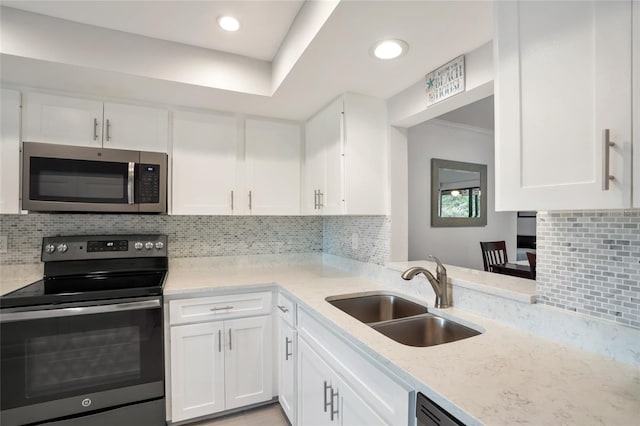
<point>223,308</point>
<point>283,308</point>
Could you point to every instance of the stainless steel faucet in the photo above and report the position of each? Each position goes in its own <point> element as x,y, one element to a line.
<point>439,284</point>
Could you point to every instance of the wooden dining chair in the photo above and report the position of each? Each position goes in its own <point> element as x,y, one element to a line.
<point>493,252</point>
<point>531,257</point>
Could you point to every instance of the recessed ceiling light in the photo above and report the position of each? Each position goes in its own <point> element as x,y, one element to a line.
<point>389,49</point>
<point>229,23</point>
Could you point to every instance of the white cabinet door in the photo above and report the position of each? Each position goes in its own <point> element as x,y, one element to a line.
<point>365,155</point>
<point>332,197</point>
<point>272,167</point>
<point>353,410</point>
<point>248,372</point>
<point>314,164</point>
<point>563,76</point>
<point>197,370</point>
<point>346,158</point>
<point>10,152</point>
<point>314,387</point>
<point>204,164</point>
<point>62,120</point>
<point>286,369</point>
<point>135,127</point>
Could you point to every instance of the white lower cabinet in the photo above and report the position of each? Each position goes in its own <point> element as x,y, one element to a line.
<point>286,369</point>
<point>220,365</point>
<point>324,398</point>
<point>197,370</point>
<point>338,385</point>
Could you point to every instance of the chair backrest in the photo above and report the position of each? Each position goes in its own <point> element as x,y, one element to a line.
<point>531,257</point>
<point>493,252</point>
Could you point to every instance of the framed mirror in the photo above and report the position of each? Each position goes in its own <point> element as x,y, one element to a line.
<point>458,193</point>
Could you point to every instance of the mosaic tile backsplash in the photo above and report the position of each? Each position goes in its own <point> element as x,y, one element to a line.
<point>189,236</point>
<point>373,235</point>
<point>589,262</point>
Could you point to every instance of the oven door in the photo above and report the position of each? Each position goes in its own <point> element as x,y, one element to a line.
<point>71,178</point>
<point>77,359</point>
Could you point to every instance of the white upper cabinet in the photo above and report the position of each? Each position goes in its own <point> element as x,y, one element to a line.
<point>135,127</point>
<point>272,167</point>
<point>83,122</point>
<point>215,173</point>
<point>62,120</point>
<point>204,163</point>
<point>346,158</point>
<point>10,152</point>
<point>563,77</point>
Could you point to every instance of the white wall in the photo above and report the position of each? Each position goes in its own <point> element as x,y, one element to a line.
<point>455,246</point>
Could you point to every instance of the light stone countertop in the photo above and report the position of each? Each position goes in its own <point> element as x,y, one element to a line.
<point>12,277</point>
<point>502,377</point>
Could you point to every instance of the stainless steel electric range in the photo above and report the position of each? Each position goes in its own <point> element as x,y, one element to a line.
<point>84,345</point>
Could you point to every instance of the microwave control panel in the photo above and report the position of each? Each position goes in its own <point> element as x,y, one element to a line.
<point>148,183</point>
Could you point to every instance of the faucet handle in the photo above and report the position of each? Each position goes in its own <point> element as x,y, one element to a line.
<point>440,265</point>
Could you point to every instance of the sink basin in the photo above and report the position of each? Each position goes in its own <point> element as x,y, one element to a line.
<point>424,330</point>
<point>376,307</point>
<point>400,319</point>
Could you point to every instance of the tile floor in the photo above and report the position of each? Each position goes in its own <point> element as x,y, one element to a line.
<point>270,415</point>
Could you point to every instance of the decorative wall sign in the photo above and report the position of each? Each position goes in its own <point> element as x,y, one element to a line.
<point>446,81</point>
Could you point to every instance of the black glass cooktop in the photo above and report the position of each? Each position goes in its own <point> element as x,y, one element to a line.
<point>64,289</point>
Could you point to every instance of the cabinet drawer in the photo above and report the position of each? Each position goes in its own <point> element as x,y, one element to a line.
<point>286,309</point>
<point>219,307</point>
<point>377,388</point>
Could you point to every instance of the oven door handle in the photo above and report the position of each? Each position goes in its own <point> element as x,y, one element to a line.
<point>79,310</point>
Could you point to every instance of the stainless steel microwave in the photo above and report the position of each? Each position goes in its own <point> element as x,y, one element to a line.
<point>80,179</point>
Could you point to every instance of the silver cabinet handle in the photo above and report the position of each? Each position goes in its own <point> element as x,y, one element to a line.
<point>231,200</point>
<point>287,354</point>
<point>230,347</point>
<point>220,308</point>
<point>130,179</point>
<point>315,199</point>
<point>250,200</point>
<point>320,199</point>
<point>326,388</point>
<point>283,308</point>
<point>95,129</point>
<point>605,160</point>
<point>219,340</point>
<point>108,130</point>
<point>335,395</point>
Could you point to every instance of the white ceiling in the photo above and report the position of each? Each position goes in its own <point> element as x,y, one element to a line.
<point>337,59</point>
<point>264,24</point>
<point>477,114</point>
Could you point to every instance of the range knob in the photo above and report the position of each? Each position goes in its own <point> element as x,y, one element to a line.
<point>50,248</point>
<point>62,248</point>
<point>159,245</point>
<point>138,245</point>
<point>148,245</point>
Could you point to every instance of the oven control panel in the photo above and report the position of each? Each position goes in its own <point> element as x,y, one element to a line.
<point>103,247</point>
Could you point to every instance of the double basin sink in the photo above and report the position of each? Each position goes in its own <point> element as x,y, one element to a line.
<point>400,319</point>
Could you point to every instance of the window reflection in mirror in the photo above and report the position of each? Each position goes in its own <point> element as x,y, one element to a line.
<point>458,192</point>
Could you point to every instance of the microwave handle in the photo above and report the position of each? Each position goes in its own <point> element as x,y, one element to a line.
<point>130,180</point>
